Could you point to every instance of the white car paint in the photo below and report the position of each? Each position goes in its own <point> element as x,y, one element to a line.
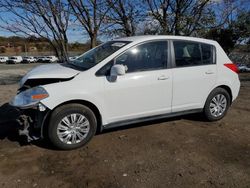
<point>191,90</point>
<point>51,59</point>
<point>3,59</point>
<point>143,91</point>
<point>141,94</point>
<point>16,59</point>
<point>49,71</point>
<point>30,59</point>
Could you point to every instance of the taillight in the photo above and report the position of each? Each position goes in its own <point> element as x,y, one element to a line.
<point>232,66</point>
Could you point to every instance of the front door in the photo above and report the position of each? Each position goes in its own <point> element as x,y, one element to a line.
<point>145,89</point>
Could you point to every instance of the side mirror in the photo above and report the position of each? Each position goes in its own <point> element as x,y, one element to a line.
<point>117,70</point>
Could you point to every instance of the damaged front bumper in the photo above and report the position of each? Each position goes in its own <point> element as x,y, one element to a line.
<point>32,121</point>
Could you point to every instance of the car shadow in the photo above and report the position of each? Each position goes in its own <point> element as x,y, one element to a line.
<point>193,117</point>
<point>9,124</point>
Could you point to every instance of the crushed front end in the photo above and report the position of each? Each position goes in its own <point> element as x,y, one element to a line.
<point>32,121</point>
<point>33,112</point>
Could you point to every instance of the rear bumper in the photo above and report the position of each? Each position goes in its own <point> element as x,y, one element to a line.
<point>235,89</point>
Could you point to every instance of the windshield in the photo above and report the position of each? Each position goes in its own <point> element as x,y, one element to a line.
<point>96,55</point>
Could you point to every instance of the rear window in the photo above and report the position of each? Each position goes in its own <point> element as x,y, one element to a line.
<point>193,53</point>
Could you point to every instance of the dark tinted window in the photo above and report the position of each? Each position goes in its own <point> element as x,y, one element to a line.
<point>192,53</point>
<point>207,54</point>
<point>105,70</point>
<point>187,53</point>
<point>147,56</point>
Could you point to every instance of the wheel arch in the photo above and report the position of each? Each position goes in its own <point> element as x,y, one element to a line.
<point>228,89</point>
<point>88,104</point>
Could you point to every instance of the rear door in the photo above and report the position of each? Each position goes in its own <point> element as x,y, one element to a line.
<point>194,74</point>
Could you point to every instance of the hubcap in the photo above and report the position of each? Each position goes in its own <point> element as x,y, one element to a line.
<point>218,105</point>
<point>73,128</point>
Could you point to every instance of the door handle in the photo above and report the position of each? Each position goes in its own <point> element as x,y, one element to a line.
<point>163,77</point>
<point>209,72</point>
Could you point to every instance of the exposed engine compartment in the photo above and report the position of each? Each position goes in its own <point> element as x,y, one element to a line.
<point>30,83</point>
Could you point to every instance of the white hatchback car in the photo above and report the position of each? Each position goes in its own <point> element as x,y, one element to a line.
<point>126,81</point>
<point>29,59</point>
<point>3,59</point>
<point>15,60</point>
<point>50,59</point>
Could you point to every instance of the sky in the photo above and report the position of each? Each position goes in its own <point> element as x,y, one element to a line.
<point>78,35</point>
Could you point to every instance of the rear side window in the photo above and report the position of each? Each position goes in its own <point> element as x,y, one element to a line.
<point>207,54</point>
<point>192,53</point>
<point>145,57</point>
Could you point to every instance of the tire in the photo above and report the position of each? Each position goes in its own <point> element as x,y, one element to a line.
<point>215,111</point>
<point>64,131</point>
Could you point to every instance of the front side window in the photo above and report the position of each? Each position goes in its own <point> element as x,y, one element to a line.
<point>144,57</point>
<point>192,53</point>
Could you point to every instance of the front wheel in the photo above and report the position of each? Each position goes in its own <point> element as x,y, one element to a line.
<point>217,104</point>
<point>71,126</point>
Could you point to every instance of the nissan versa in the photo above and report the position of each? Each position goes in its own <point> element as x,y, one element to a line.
<point>126,81</point>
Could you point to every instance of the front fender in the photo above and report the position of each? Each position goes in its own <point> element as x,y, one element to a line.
<point>64,92</point>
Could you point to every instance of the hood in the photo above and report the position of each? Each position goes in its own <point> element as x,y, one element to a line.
<point>50,71</point>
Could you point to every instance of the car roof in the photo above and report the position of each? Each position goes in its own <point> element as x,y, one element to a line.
<point>143,38</point>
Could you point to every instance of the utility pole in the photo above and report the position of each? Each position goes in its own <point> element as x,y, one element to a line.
<point>25,49</point>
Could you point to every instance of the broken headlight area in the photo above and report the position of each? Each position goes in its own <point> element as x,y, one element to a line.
<point>29,98</point>
<point>30,83</point>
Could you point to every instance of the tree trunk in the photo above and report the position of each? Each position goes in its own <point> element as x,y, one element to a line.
<point>93,39</point>
<point>127,28</point>
<point>65,55</point>
<point>164,21</point>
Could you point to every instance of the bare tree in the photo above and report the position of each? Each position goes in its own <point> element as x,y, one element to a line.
<point>230,8</point>
<point>180,16</point>
<point>91,14</point>
<point>124,16</point>
<point>44,18</point>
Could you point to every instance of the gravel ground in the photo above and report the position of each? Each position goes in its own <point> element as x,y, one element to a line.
<point>178,152</point>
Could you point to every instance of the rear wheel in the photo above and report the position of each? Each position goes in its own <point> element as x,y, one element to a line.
<point>71,126</point>
<point>217,104</point>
